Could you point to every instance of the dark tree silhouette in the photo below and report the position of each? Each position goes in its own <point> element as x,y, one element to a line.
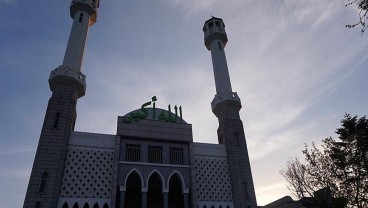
<point>341,166</point>
<point>362,5</point>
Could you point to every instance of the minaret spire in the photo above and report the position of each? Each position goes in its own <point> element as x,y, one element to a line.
<point>83,18</point>
<point>226,105</point>
<point>84,14</point>
<point>215,41</point>
<point>67,84</point>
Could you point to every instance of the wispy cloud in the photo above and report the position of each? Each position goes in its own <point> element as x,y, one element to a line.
<point>9,1</point>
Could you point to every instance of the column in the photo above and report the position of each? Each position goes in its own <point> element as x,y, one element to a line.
<point>186,200</point>
<point>144,199</point>
<point>122,199</point>
<point>166,199</point>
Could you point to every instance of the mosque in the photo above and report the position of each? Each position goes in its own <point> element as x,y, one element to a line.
<point>152,161</point>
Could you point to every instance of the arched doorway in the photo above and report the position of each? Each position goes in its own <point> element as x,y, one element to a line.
<point>175,192</point>
<point>154,195</point>
<point>133,195</point>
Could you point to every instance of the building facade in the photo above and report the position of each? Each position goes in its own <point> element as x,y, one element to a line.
<point>152,160</point>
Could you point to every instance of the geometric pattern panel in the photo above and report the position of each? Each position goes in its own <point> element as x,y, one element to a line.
<point>212,179</point>
<point>87,174</point>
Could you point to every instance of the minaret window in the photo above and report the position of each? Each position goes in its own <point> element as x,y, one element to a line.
<point>237,138</point>
<point>219,45</point>
<point>38,204</point>
<point>81,17</point>
<point>218,24</point>
<point>245,191</point>
<point>43,184</point>
<point>210,25</point>
<point>56,121</point>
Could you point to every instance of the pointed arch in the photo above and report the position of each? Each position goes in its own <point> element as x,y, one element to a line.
<point>65,205</point>
<point>133,192</point>
<point>75,205</point>
<point>155,187</point>
<point>86,205</point>
<point>175,172</point>
<point>176,190</point>
<point>105,205</point>
<point>159,175</point>
<point>96,205</point>
<point>134,170</point>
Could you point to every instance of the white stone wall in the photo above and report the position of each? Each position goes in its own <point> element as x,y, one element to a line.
<point>88,172</point>
<point>211,175</point>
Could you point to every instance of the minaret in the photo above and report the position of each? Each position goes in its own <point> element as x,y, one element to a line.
<point>67,84</point>
<point>226,106</point>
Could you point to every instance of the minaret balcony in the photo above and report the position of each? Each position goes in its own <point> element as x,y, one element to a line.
<point>224,97</point>
<point>68,75</point>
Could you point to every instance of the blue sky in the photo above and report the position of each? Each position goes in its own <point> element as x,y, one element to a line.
<point>293,63</point>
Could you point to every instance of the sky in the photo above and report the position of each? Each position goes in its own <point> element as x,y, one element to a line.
<point>293,63</point>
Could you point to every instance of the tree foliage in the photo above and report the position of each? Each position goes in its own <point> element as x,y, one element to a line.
<point>339,165</point>
<point>362,6</point>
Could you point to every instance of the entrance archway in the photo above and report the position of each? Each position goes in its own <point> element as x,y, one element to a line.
<point>175,192</point>
<point>133,195</point>
<point>154,195</point>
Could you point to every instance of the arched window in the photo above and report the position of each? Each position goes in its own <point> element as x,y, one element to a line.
<point>43,183</point>
<point>219,45</point>
<point>38,204</point>
<point>213,206</point>
<point>76,205</point>
<point>205,29</point>
<point>86,205</point>
<point>56,121</point>
<point>96,205</point>
<point>218,24</point>
<point>245,190</point>
<point>65,205</point>
<point>106,206</point>
<point>204,206</point>
<point>237,138</point>
<point>81,17</point>
<point>210,25</point>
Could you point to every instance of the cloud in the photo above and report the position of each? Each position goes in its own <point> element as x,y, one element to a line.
<point>269,193</point>
<point>9,2</point>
